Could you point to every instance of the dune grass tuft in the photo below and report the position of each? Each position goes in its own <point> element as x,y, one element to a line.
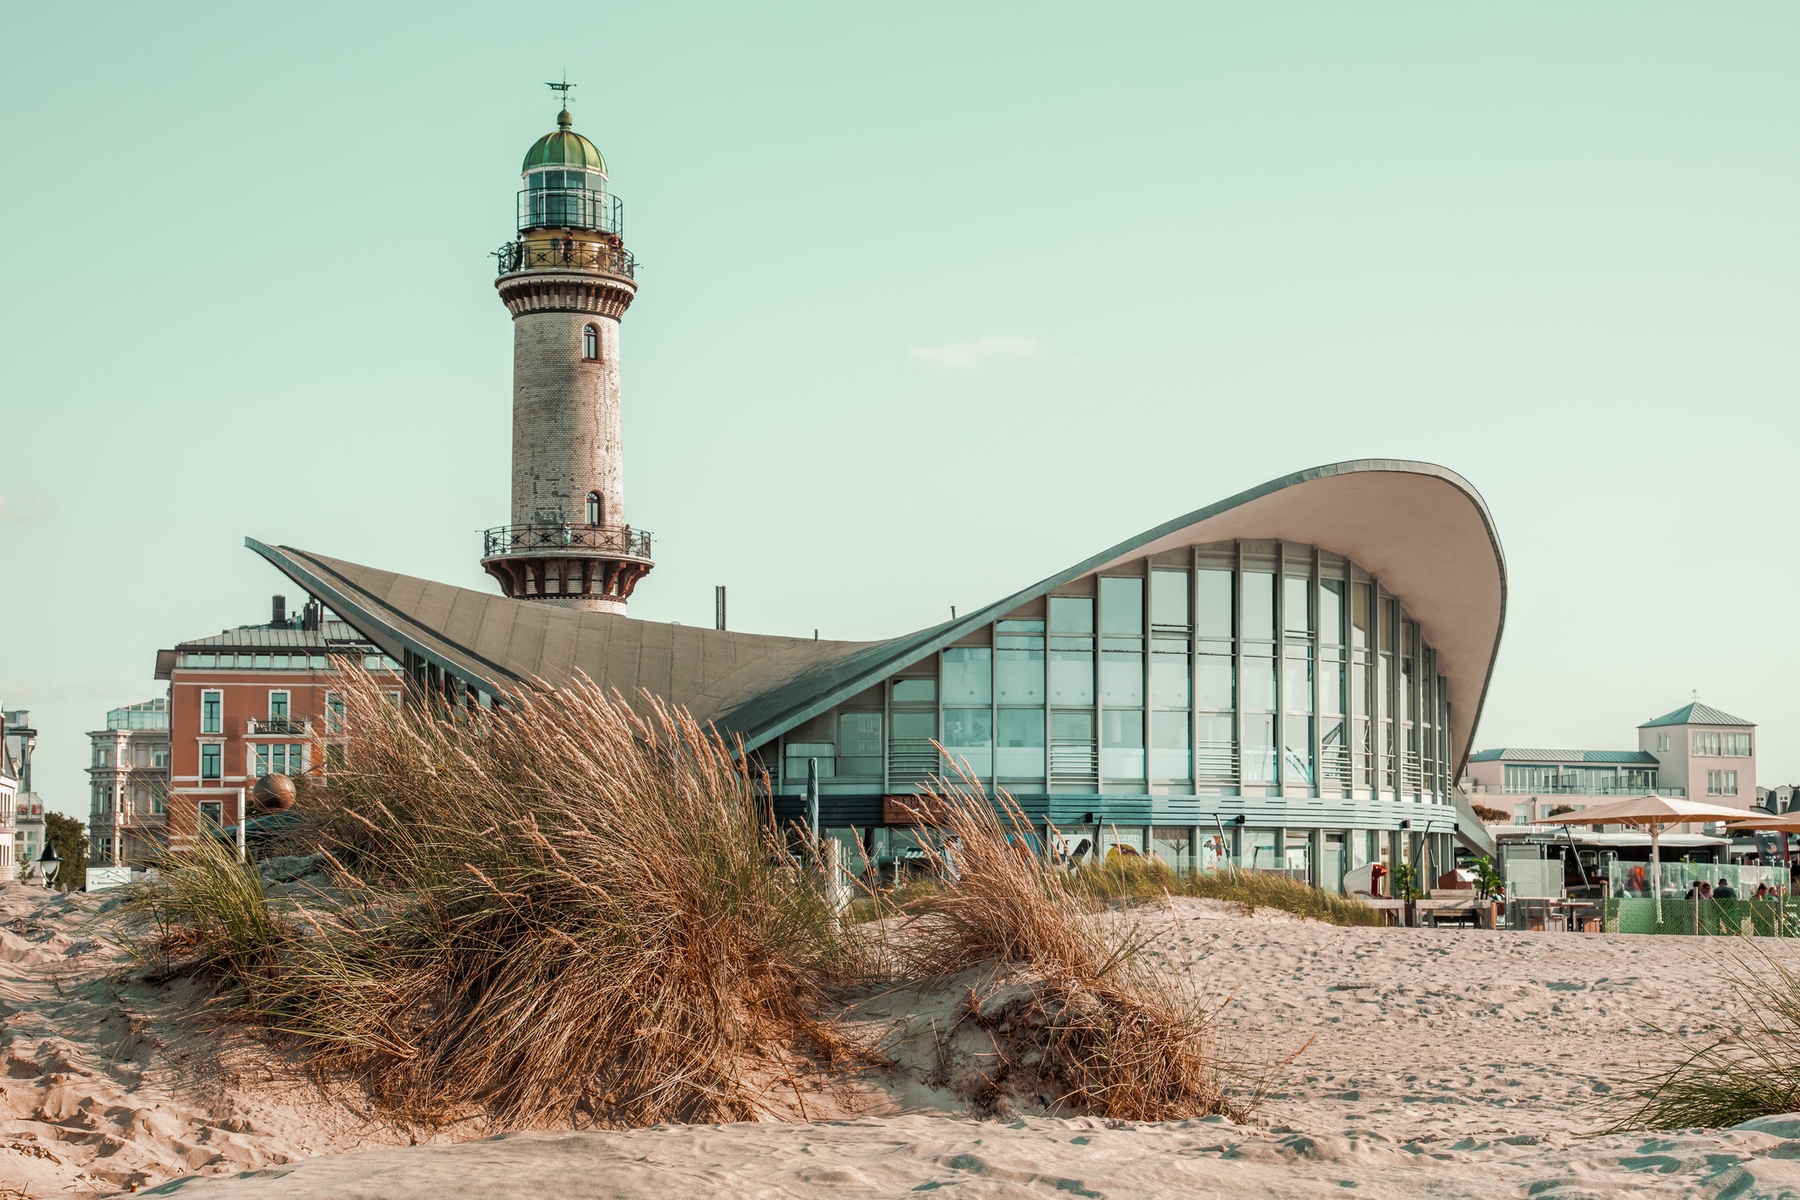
<point>562,911</point>
<point>1754,1072</point>
<point>1138,879</point>
<point>1103,1031</point>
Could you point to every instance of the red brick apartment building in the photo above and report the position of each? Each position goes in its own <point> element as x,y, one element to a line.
<point>251,701</point>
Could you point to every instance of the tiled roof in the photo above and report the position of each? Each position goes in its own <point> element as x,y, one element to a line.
<point>1514,754</point>
<point>329,633</point>
<point>1698,714</point>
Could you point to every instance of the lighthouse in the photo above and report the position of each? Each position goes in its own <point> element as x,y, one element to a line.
<point>567,280</point>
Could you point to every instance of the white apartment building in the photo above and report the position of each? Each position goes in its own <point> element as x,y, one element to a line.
<point>1695,752</point>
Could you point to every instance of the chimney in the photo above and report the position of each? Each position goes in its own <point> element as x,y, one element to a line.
<point>280,617</point>
<point>311,615</point>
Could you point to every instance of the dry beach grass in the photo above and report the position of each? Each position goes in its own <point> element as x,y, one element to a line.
<point>568,911</point>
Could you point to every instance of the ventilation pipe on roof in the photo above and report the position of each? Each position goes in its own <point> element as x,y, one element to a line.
<point>279,616</point>
<point>311,614</point>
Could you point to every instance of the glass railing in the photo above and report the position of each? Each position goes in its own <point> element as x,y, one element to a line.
<point>1573,789</point>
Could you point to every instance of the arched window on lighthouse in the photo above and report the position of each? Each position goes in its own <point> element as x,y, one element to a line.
<point>590,343</point>
<point>596,510</point>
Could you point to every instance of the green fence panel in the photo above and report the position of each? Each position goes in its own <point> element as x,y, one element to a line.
<point>1704,918</point>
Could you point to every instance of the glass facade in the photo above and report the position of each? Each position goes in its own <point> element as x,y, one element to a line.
<point>1237,668</point>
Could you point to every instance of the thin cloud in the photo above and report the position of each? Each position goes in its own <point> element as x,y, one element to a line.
<point>972,356</point>
<point>24,508</point>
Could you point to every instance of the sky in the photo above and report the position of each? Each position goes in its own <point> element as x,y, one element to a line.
<point>935,300</point>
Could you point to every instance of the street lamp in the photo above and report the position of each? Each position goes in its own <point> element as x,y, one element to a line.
<point>48,862</point>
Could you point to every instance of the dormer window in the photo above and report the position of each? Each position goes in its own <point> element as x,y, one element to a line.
<point>590,348</point>
<point>596,510</point>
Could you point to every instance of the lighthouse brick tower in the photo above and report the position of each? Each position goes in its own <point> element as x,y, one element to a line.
<point>567,279</point>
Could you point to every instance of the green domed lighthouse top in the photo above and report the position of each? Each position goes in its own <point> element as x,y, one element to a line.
<point>564,148</point>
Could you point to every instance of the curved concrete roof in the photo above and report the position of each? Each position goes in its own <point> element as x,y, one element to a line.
<point>1422,530</point>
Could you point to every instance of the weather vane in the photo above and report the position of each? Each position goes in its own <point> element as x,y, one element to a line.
<point>565,87</point>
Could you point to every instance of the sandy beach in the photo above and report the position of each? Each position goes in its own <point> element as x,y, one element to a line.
<point>1452,1063</point>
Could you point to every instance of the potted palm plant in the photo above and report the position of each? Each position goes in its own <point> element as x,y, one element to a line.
<point>1492,890</point>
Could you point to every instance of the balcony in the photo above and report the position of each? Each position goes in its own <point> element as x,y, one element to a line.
<point>570,208</point>
<point>607,541</point>
<point>279,727</point>
<point>1573,789</point>
<point>566,254</point>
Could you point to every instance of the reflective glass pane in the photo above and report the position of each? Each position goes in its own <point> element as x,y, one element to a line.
<point>1071,614</point>
<point>969,737</point>
<point>1169,745</point>
<point>1021,749</point>
<point>1169,678</point>
<point>1213,615</point>
<point>1071,677</point>
<point>1121,606</point>
<point>1296,688</point>
<point>1072,726</point>
<point>1215,682</point>
<point>1296,605</point>
<point>1021,674</point>
<point>1331,611</point>
<point>916,691</point>
<point>1168,597</point>
<point>1359,688</point>
<point>1297,760</point>
<point>1122,744</point>
<point>1359,614</point>
<point>859,734</point>
<point>1259,606</point>
<point>915,726</point>
<point>1331,686</point>
<point>1121,678</point>
<point>1259,684</point>
<point>968,675</point>
<point>1259,749</point>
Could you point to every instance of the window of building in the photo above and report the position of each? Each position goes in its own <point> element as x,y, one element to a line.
<point>596,510</point>
<point>590,343</point>
<point>159,756</point>
<point>968,675</point>
<point>278,706</point>
<point>334,713</point>
<point>798,754</point>
<point>1706,745</point>
<point>212,813</point>
<point>1021,750</point>
<point>859,744</point>
<point>1721,783</point>
<point>212,712</point>
<point>279,760</point>
<point>1662,742</point>
<point>969,740</point>
<point>1737,745</point>
<point>211,756</point>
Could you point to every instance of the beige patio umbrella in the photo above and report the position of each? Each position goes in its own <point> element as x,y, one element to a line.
<point>1782,823</point>
<point>1653,813</point>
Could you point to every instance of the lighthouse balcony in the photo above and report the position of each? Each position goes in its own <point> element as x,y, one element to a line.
<point>575,541</point>
<point>546,252</point>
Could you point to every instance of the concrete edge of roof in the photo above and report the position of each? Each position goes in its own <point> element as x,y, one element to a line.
<point>365,621</point>
<point>930,641</point>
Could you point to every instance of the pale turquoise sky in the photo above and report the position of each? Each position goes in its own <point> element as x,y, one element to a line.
<point>936,299</point>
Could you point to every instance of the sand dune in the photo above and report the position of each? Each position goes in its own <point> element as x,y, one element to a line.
<point>1443,1063</point>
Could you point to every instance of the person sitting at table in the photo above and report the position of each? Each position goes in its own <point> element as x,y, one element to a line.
<point>1724,891</point>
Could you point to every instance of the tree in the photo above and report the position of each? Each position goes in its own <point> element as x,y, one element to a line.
<point>69,836</point>
<point>1492,816</point>
<point>1560,809</point>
